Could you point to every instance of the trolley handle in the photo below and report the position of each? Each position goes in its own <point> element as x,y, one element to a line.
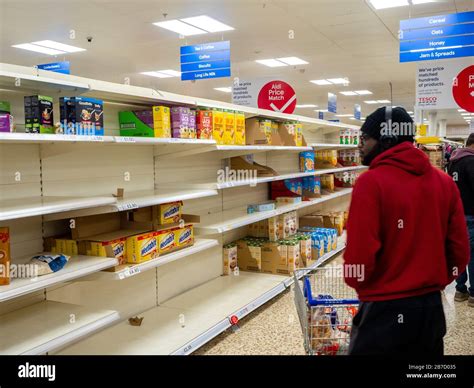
<point>321,302</point>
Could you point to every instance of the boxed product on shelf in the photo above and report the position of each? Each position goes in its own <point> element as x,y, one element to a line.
<point>287,200</point>
<point>230,258</point>
<point>39,114</point>
<point>286,188</point>
<point>305,249</point>
<point>326,158</point>
<point>311,187</point>
<point>136,123</point>
<point>307,161</point>
<point>142,247</point>
<point>65,246</point>
<point>218,126</point>
<point>184,236</point>
<point>259,132</point>
<point>169,213</point>
<point>229,127</point>
<point>204,123</point>
<point>6,122</point>
<point>183,122</point>
<point>288,224</point>
<point>327,182</point>
<point>273,228</point>
<point>249,254</point>
<point>81,116</point>
<point>161,121</point>
<point>240,128</point>
<point>192,124</point>
<point>331,220</point>
<point>4,256</point>
<point>175,238</point>
<point>349,136</point>
<point>291,133</point>
<point>349,157</point>
<point>5,107</point>
<point>260,207</point>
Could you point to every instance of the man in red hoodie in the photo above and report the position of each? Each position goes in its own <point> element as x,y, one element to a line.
<point>407,234</point>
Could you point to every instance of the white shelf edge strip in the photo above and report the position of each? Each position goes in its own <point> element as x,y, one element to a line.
<point>75,335</point>
<point>55,279</point>
<point>199,246</point>
<point>223,325</point>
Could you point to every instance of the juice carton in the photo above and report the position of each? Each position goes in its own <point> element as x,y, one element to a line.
<point>218,126</point>
<point>229,127</point>
<point>204,124</point>
<point>161,121</point>
<point>239,128</point>
<point>4,256</point>
<point>142,247</point>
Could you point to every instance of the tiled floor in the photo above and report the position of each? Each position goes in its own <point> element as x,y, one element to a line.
<point>274,329</point>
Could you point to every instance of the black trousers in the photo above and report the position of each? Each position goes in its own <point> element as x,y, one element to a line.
<point>410,326</point>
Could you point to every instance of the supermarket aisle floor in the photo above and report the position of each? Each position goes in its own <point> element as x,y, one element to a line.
<point>274,329</point>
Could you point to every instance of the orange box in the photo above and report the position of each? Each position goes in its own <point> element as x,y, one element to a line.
<point>4,256</point>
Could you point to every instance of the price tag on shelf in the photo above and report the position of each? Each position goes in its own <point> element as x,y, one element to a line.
<point>127,206</point>
<point>125,139</point>
<point>94,138</point>
<point>130,272</point>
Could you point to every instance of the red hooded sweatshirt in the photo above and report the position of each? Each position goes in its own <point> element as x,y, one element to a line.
<point>406,233</point>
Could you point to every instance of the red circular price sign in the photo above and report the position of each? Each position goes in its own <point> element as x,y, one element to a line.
<point>463,89</point>
<point>277,96</point>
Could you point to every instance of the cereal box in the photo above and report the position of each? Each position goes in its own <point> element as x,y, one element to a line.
<point>239,128</point>
<point>142,247</point>
<point>161,121</point>
<point>4,256</point>
<point>192,124</point>
<point>180,122</point>
<point>204,124</point>
<point>184,236</point>
<point>39,114</point>
<point>114,248</point>
<point>166,241</point>
<point>307,161</point>
<point>218,126</point>
<point>229,127</point>
<point>169,213</point>
<point>230,258</point>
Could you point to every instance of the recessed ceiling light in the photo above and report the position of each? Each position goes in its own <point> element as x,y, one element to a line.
<point>383,101</point>
<point>465,114</point>
<point>306,106</point>
<point>38,49</point>
<point>370,102</point>
<point>382,4</point>
<point>227,89</point>
<point>363,92</point>
<point>321,110</point>
<point>349,93</point>
<point>162,73</point>
<point>339,81</point>
<point>271,62</point>
<point>321,82</point>
<point>58,46</point>
<point>410,112</point>
<point>292,61</point>
<point>180,27</point>
<point>207,23</point>
<point>461,110</point>
<point>344,115</point>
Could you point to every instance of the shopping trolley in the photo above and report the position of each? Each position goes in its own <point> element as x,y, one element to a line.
<point>325,308</point>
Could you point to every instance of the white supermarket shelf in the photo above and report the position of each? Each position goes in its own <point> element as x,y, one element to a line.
<point>114,92</point>
<point>131,270</point>
<point>77,266</point>
<point>328,146</point>
<point>134,200</point>
<point>45,326</point>
<point>206,310</point>
<point>201,185</point>
<point>236,218</point>
<point>35,206</point>
<point>36,138</point>
<point>162,141</point>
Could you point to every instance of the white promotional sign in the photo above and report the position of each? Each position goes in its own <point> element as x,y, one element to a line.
<point>437,84</point>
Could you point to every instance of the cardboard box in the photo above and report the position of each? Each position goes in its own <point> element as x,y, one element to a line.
<point>5,257</point>
<point>204,124</point>
<point>218,126</point>
<point>240,128</point>
<point>316,221</point>
<point>241,163</point>
<point>161,121</point>
<point>137,123</point>
<point>6,122</point>
<point>39,114</point>
<point>260,207</point>
<point>142,247</point>
<point>230,258</point>
<point>248,258</point>
<point>291,134</point>
<point>169,213</point>
<point>259,132</point>
<point>274,261</point>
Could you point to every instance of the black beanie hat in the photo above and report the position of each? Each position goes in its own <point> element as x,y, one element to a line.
<point>374,123</point>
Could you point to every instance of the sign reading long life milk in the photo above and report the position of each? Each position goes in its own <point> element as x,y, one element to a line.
<point>445,85</point>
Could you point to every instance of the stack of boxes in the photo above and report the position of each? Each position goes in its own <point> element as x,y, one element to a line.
<point>81,116</point>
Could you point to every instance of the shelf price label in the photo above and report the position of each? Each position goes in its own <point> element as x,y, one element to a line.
<point>125,139</point>
<point>127,206</point>
<point>130,272</point>
<point>94,138</point>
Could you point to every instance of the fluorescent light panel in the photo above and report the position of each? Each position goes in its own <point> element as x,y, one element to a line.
<point>344,115</point>
<point>306,106</point>
<point>180,28</point>
<point>383,4</point>
<point>339,81</point>
<point>321,82</point>
<point>271,62</point>
<point>292,61</point>
<point>207,23</point>
<point>349,93</point>
<point>363,92</point>
<point>58,46</point>
<point>224,89</point>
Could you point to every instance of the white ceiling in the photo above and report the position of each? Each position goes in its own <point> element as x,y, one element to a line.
<point>339,38</point>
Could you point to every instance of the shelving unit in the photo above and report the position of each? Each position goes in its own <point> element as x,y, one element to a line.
<point>66,176</point>
<point>125,271</point>
<point>77,266</point>
<point>236,218</point>
<point>328,146</point>
<point>46,326</point>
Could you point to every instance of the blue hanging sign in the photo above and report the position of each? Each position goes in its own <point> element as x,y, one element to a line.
<point>57,67</point>
<point>205,61</point>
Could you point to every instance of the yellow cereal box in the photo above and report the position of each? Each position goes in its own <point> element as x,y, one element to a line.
<point>184,236</point>
<point>114,248</point>
<point>299,134</point>
<point>229,131</point>
<point>71,247</point>
<point>239,128</point>
<point>161,121</point>
<point>266,128</point>
<point>142,247</point>
<point>166,241</point>
<point>169,213</point>
<point>218,126</point>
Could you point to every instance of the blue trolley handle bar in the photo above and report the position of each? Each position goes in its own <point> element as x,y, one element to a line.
<point>323,302</point>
